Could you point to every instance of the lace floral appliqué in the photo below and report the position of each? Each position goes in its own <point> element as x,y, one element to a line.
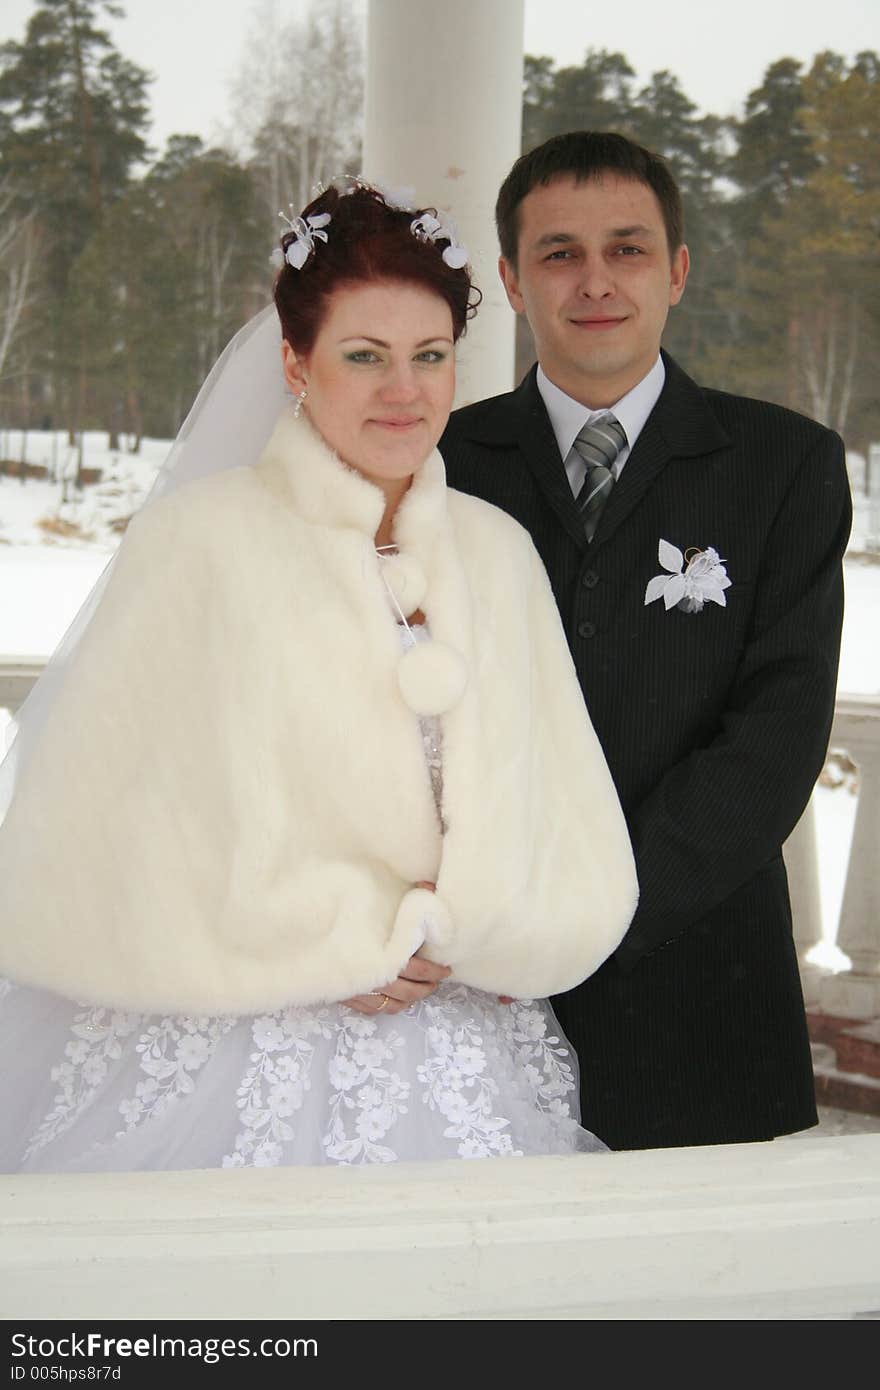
<point>461,1055</point>
<point>97,1043</point>
<point>367,1097</point>
<point>274,1086</point>
<point>545,1068</point>
<point>171,1050</point>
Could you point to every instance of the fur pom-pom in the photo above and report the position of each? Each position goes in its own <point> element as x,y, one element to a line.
<point>432,678</point>
<point>406,580</point>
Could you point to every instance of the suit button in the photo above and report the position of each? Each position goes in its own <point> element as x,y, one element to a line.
<point>586,629</point>
<point>590,579</point>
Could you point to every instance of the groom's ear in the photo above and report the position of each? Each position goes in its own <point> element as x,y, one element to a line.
<point>294,368</point>
<point>679,267</point>
<point>510,281</point>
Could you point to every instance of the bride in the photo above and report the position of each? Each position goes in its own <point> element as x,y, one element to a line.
<point>307,816</point>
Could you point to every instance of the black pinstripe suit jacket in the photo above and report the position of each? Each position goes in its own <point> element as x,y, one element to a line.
<point>715,726</point>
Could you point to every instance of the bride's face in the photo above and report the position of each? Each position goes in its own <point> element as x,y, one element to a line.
<point>380,376</point>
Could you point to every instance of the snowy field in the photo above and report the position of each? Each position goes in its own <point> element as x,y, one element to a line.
<point>55,542</point>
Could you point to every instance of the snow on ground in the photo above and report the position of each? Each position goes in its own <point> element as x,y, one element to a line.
<point>52,551</point>
<point>39,512</point>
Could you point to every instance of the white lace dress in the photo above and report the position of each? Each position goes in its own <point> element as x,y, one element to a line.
<point>89,1089</point>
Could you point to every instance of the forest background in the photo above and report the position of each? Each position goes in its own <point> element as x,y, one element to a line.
<point>124,270</point>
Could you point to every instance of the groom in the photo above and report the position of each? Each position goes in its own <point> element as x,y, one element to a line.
<point>693,540</point>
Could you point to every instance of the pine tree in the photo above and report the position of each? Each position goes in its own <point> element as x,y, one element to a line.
<point>595,96</point>
<point>195,267</point>
<point>665,120</point>
<point>73,115</point>
<point>807,325</point>
<point>774,154</point>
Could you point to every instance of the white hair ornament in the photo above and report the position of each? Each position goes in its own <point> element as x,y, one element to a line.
<point>427,227</point>
<point>306,231</point>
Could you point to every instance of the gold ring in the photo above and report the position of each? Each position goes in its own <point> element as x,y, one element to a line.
<point>386,1000</point>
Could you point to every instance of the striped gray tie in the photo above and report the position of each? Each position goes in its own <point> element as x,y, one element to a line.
<point>599,443</point>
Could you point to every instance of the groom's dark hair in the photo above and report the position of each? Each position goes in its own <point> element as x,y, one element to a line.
<point>587,154</point>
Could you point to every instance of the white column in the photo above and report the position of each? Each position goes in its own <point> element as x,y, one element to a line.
<point>855,993</point>
<point>444,115</point>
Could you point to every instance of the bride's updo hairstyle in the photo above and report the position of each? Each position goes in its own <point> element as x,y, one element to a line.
<point>355,237</point>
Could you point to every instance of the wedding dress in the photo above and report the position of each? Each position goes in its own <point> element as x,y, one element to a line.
<point>86,1088</point>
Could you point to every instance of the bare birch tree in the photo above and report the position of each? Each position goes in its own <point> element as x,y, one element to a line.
<point>298,99</point>
<point>18,253</point>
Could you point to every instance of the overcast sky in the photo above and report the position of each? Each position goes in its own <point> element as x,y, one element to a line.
<point>718,51</point>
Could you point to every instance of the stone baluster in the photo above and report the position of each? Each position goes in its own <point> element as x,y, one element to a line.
<point>855,993</point>
<point>802,866</point>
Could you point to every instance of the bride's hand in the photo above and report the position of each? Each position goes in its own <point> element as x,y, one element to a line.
<point>417,980</point>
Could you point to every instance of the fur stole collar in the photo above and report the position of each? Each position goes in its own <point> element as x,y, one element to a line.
<point>230,802</point>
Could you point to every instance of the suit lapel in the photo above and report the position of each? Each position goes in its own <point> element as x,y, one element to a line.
<point>644,465</point>
<point>538,443</point>
<point>681,425</point>
<point>519,422</point>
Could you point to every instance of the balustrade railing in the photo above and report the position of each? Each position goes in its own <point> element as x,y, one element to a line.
<point>752,1231</point>
<point>17,676</point>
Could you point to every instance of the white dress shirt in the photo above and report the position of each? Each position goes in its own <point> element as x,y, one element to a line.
<point>568,417</point>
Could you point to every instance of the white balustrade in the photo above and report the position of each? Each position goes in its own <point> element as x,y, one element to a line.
<point>789,1229</point>
<point>17,675</point>
<point>802,867</point>
<point>855,993</point>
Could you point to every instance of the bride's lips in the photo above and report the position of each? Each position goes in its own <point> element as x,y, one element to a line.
<point>398,422</point>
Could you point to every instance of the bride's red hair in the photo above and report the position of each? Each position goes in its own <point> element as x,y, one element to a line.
<point>367,241</point>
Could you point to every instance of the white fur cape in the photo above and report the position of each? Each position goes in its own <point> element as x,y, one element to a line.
<point>230,803</point>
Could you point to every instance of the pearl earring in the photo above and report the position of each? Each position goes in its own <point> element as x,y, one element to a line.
<point>297,409</point>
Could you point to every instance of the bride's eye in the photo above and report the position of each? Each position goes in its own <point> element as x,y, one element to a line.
<point>431,355</point>
<point>362,355</point>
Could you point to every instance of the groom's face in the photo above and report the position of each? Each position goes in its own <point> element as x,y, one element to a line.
<point>595,279</point>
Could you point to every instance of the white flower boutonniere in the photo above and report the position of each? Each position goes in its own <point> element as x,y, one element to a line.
<point>690,579</point>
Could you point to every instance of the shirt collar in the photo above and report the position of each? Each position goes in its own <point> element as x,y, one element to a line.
<point>568,416</point>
